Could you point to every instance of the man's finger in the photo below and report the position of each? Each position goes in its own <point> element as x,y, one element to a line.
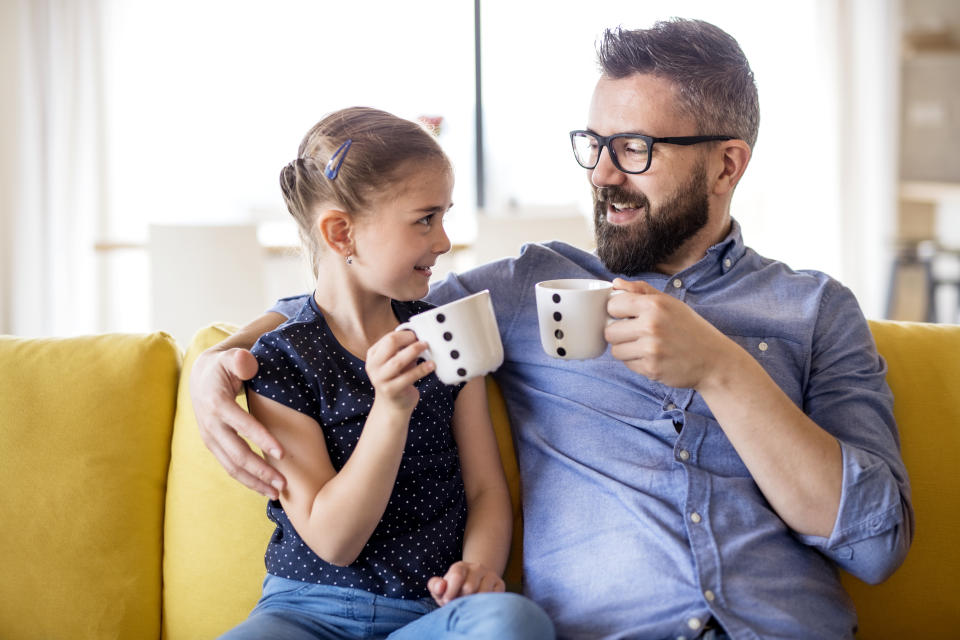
<point>240,474</point>
<point>240,457</point>
<point>249,427</point>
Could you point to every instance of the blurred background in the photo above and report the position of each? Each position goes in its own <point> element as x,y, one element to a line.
<point>141,141</point>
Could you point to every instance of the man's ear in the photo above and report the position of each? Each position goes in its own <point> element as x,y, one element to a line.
<point>731,162</point>
<point>336,229</point>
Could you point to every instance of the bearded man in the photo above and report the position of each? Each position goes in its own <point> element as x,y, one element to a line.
<point>707,475</point>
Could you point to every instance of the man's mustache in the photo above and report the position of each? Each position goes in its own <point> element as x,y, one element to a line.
<point>619,194</point>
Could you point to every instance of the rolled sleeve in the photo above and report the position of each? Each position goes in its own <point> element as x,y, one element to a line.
<point>847,395</point>
<point>873,530</point>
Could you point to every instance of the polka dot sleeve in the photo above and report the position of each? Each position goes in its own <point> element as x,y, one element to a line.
<point>283,374</point>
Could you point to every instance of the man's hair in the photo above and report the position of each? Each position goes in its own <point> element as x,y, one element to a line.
<point>706,65</point>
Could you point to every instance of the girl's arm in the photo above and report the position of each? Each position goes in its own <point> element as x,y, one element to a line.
<point>486,541</point>
<point>336,512</point>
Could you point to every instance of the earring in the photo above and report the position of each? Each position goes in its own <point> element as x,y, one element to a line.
<point>349,259</point>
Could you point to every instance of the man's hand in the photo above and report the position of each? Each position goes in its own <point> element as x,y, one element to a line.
<point>462,579</point>
<point>662,338</point>
<point>215,381</point>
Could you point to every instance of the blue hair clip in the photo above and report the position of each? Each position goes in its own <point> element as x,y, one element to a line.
<point>333,167</point>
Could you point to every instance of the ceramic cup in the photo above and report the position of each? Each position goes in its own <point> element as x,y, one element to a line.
<point>463,337</point>
<point>573,314</point>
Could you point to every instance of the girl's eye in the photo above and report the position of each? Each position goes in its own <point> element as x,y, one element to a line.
<point>426,220</point>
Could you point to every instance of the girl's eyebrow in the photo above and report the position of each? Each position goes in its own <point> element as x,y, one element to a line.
<point>435,208</point>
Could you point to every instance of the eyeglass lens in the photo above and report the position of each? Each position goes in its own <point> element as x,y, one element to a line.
<point>629,153</point>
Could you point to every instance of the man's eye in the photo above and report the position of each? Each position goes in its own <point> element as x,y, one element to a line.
<point>635,148</point>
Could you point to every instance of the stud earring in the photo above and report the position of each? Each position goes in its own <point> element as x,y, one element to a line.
<point>349,259</point>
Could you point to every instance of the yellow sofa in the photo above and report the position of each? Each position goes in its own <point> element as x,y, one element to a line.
<point>117,522</point>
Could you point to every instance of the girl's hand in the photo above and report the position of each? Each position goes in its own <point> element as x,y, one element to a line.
<point>392,367</point>
<point>462,579</point>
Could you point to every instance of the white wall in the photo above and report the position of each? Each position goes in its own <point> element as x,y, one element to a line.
<point>9,48</point>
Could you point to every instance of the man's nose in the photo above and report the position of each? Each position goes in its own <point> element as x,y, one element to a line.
<point>605,174</point>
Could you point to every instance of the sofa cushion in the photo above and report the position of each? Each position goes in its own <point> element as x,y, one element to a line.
<point>924,373</point>
<point>216,530</point>
<point>84,418</point>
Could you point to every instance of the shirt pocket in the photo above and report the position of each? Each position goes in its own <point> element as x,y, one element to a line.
<point>784,360</point>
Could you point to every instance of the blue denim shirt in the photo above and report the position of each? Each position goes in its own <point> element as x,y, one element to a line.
<point>640,519</point>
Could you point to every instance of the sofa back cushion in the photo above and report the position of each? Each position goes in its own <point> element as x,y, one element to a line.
<point>216,530</point>
<point>924,374</point>
<point>84,449</point>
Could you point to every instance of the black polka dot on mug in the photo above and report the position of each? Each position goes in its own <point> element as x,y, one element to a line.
<point>557,316</point>
<point>441,317</point>
<point>447,336</point>
<point>558,334</point>
<point>561,351</point>
<point>556,297</point>
<point>454,354</point>
<point>462,372</point>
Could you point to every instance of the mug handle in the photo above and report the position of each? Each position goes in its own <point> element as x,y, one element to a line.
<point>406,326</point>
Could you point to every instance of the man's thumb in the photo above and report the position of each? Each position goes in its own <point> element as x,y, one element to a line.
<point>242,364</point>
<point>634,286</point>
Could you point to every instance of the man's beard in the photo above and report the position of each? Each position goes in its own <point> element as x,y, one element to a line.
<point>656,236</point>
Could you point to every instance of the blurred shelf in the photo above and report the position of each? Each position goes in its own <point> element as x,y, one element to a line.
<point>923,191</point>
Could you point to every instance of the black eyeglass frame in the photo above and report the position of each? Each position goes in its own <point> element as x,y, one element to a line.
<point>604,141</point>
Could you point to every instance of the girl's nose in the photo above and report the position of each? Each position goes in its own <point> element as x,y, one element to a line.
<point>441,242</point>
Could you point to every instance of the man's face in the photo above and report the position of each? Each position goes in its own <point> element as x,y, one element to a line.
<point>644,220</point>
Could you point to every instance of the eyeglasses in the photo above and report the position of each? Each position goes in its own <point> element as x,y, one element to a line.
<point>630,152</point>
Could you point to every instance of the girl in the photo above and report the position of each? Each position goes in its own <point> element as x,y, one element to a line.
<point>395,520</point>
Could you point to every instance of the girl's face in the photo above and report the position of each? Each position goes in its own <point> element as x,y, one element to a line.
<point>399,240</point>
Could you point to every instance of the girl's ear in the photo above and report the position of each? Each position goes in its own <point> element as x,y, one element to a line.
<point>336,229</point>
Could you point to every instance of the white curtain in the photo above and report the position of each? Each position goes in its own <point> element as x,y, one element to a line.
<point>54,186</point>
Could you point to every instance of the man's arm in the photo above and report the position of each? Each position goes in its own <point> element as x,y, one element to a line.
<point>796,464</point>
<point>216,379</point>
<point>833,471</point>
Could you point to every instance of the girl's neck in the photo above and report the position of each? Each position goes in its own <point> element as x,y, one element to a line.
<point>356,318</point>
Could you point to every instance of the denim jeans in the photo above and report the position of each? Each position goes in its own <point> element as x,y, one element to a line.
<point>294,610</point>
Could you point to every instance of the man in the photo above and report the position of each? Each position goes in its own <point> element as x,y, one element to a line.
<point>736,444</point>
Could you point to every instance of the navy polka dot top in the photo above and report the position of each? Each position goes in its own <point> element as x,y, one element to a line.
<point>421,532</point>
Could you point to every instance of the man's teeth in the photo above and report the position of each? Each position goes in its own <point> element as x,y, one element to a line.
<point>619,206</point>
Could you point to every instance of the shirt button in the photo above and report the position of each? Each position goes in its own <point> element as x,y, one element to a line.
<point>693,623</point>
<point>695,517</point>
<point>671,407</point>
<point>728,263</point>
<point>709,595</point>
<point>684,454</point>
<point>677,283</point>
<point>762,346</point>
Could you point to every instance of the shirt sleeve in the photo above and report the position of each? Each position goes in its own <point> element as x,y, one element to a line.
<point>283,375</point>
<point>289,306</point>
<point>847,395</point>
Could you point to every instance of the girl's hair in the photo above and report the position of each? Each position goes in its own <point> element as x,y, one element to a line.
<point>381,150</point>
<point>713,78</point>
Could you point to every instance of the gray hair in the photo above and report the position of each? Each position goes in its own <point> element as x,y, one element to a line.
<point>713,78</point>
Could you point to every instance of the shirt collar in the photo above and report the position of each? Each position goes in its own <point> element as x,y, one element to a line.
<point>719,259</point>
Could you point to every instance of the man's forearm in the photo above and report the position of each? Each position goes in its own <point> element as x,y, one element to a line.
<point>247,335</point>
<point>797,465</point>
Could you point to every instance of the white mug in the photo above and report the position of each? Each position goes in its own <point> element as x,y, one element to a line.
<point>462,337</point>
<point>572,313</point>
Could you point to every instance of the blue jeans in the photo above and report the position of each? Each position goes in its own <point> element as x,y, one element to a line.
<point>294,610</point>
